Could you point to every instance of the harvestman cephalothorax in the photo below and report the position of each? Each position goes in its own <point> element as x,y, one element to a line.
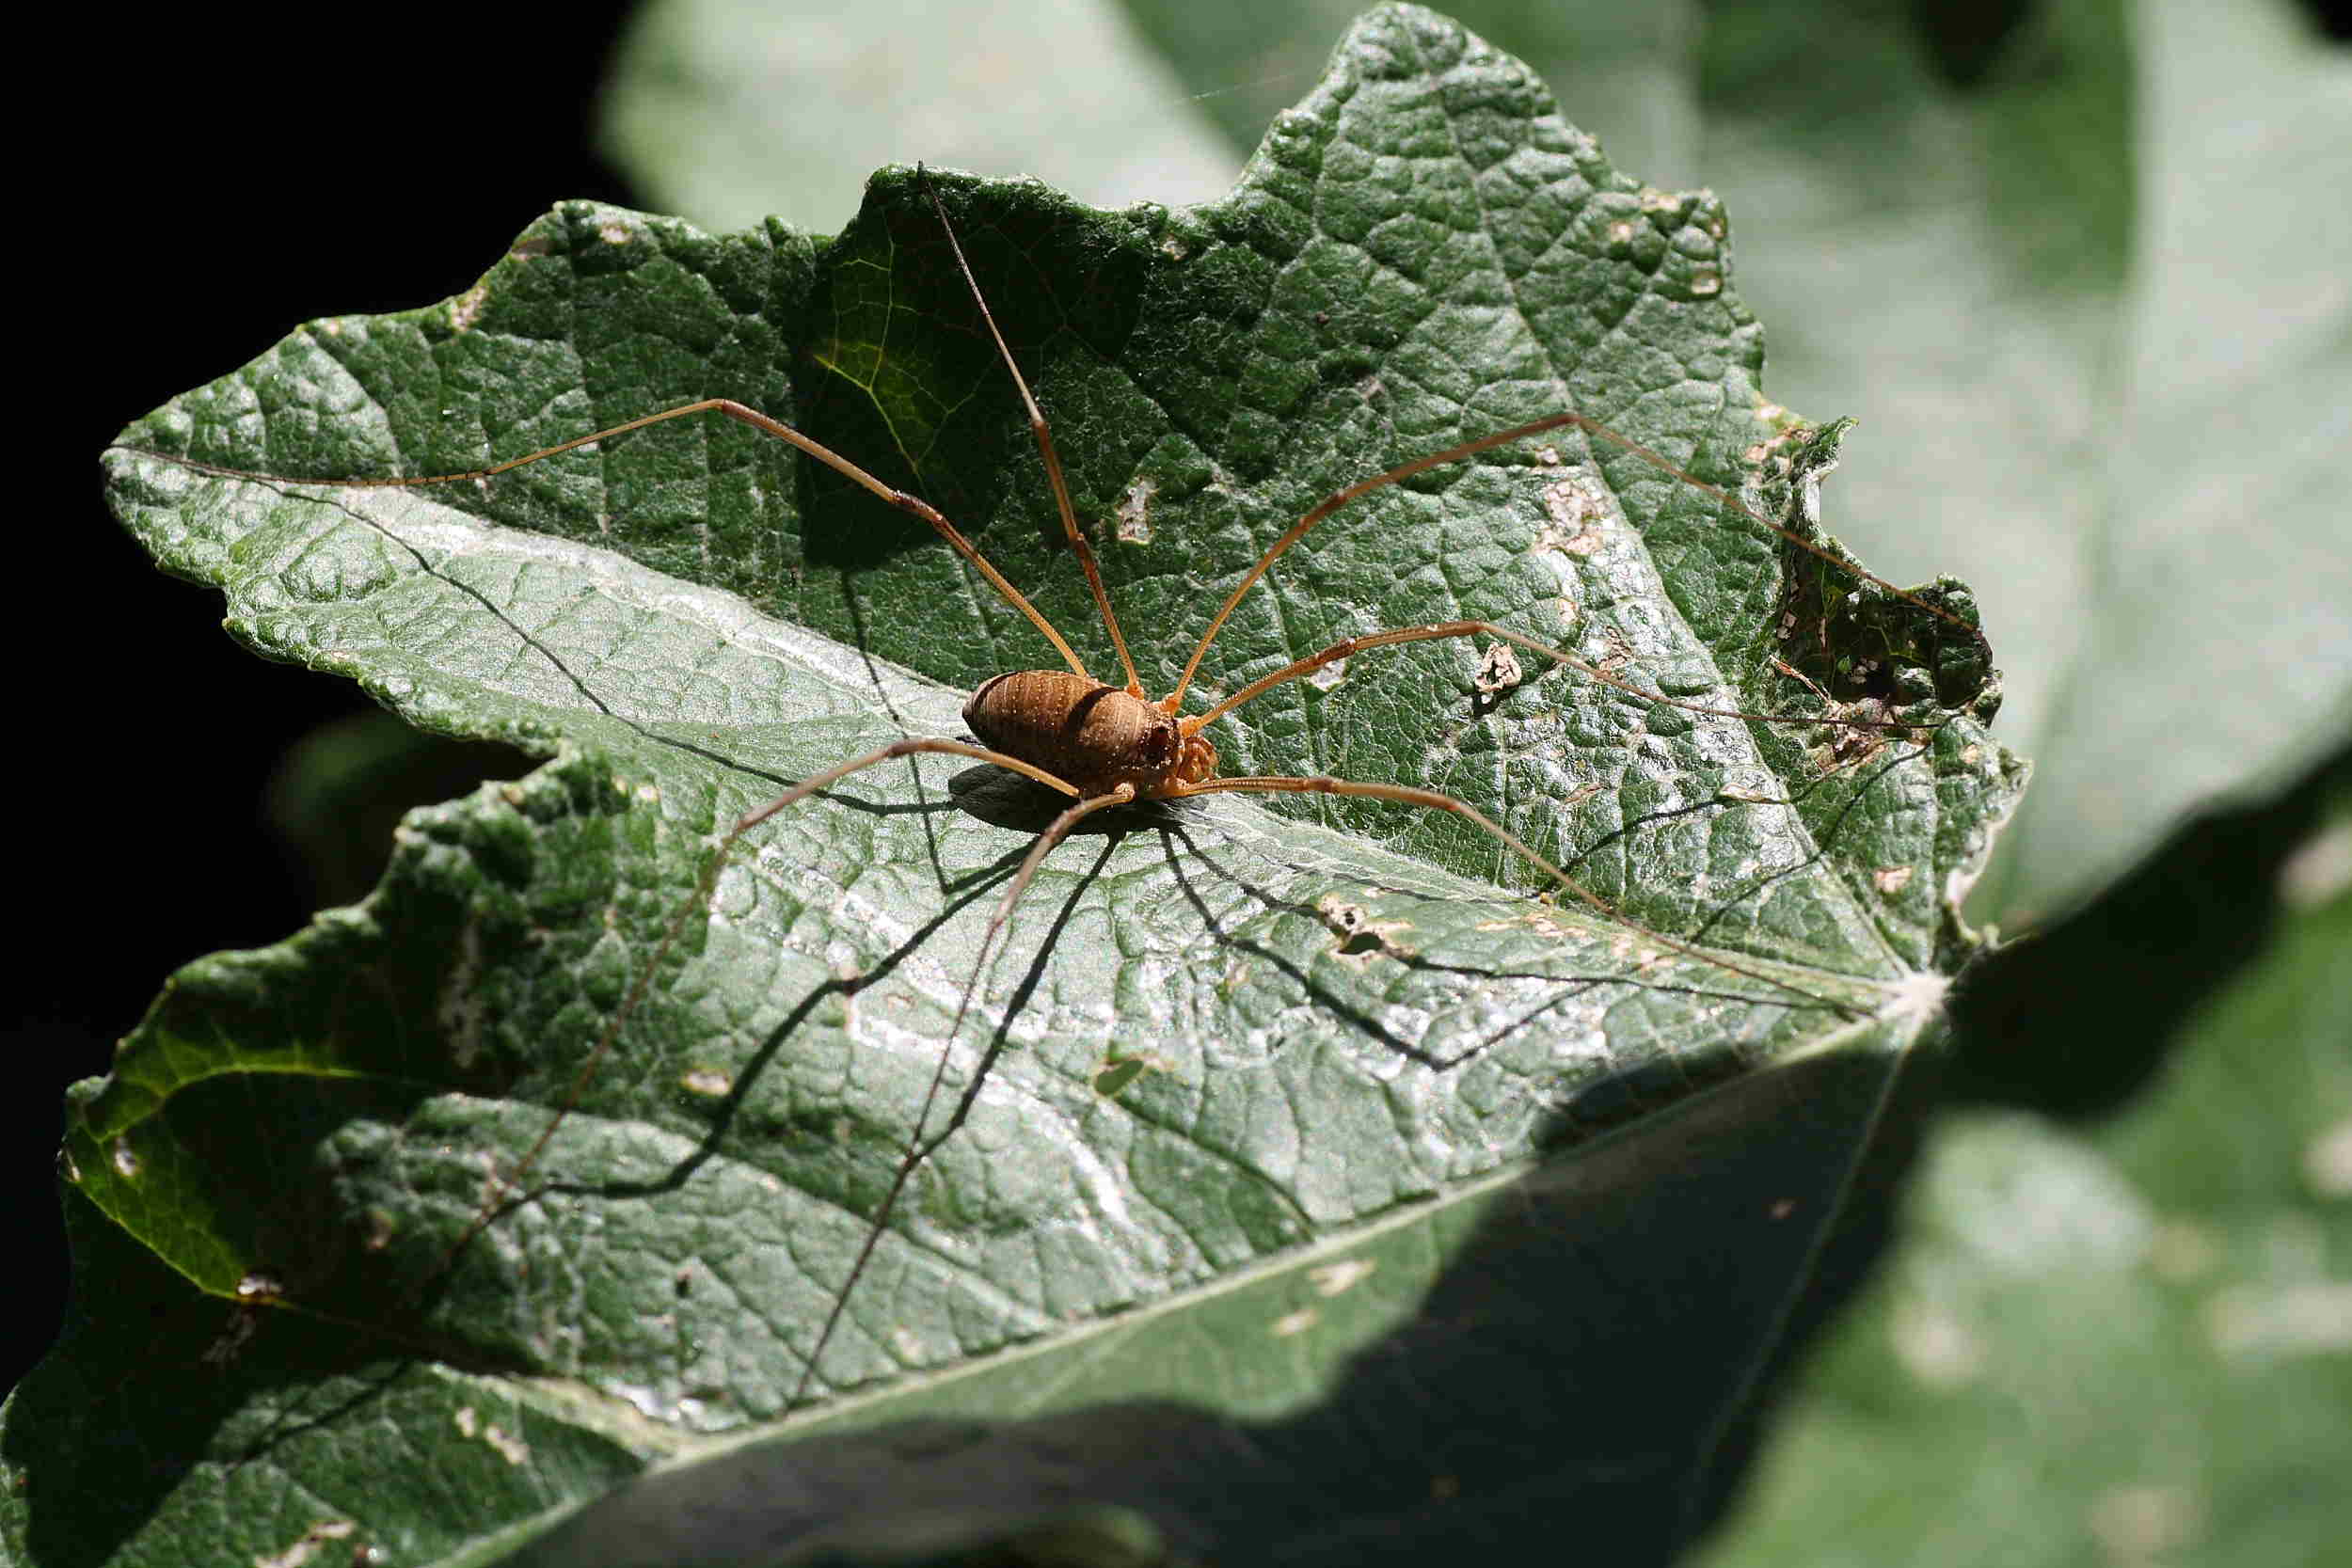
<point>1100,744</point>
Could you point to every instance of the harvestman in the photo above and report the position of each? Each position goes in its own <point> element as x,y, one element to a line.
<point>1104,746</point>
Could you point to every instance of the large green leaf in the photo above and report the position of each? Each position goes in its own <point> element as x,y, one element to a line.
<point>1367,1053</point>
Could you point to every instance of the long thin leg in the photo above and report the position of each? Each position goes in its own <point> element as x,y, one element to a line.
<point>910,504</point>
<point>1348,645</point>
<point>1055,832</point>
<point>704,887</point>
<point>1044,443</point>
<point>922,1147</point>
<point>1325,785</point>
<point>1340,498</point>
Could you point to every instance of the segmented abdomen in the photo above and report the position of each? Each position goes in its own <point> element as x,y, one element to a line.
<point>1096,737</point>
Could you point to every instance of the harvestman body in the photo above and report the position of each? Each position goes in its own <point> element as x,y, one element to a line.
<point>1104,746</point>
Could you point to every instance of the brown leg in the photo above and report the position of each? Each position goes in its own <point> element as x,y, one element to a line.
<point>1340,498</point>
<point>1055,832</point>
<point>700,897</point>
<point>1405,793</point>
<point>1348,645</point>
<point>912,505</point>
<point>923,1145</point>
<point>1045,444</point>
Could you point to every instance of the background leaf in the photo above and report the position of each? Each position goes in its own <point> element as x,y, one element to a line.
<point>496,930</point>
<point>730,112</point>
<point>2124,1342</point>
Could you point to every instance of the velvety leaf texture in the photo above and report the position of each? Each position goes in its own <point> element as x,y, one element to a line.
<point>1308,1150</point>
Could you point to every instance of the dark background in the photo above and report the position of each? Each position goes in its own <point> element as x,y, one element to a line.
<point>224,184</point>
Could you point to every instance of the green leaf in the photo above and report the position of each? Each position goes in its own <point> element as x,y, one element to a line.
<point>1395,1112</point>
<point>2125,1343</point>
